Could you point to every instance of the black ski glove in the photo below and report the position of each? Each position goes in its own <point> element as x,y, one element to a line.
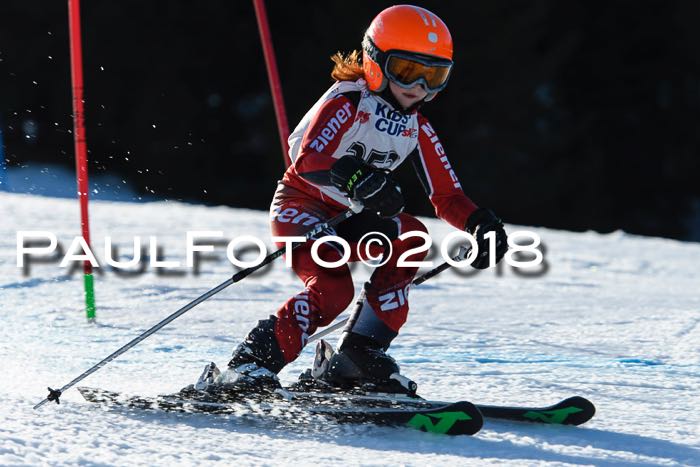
<point>373,187</point>
<point>481,222</point>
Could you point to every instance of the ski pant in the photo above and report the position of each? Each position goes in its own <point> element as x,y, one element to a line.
<point>329,291</point>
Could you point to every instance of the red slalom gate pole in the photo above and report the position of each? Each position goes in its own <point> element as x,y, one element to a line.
<point>76,61</point>
<point>273,77</point>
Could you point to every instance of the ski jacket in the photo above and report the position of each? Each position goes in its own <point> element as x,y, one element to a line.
<point>350,120</point>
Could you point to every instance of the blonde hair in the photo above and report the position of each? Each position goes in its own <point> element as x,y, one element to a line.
<point>348,67</point>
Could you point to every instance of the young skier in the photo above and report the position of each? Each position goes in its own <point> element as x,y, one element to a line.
<point>345,148</point>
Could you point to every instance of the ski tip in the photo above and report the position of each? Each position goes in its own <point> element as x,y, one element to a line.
<point>572,411</point>
<point>459,418</point>
<point>86,392</point>
<point>585,410</point>
<point>575,410</point>
<point>477,417</point>
<point>95,394</point>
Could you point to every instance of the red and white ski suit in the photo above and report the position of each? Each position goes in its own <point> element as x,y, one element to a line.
<point>350,120</point>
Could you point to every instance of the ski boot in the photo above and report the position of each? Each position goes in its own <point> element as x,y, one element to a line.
<point>256,361</point>
<point>361,360</point>
<point>253,367</point>
<point>360,363</point>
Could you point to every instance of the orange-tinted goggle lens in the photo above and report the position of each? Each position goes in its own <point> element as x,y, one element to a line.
<point>408,72</point>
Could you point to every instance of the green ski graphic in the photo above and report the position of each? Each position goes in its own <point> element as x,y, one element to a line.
<point>552,416</point>
<point>446,421</point>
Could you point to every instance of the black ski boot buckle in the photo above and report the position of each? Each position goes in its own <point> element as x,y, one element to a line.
<point>408,385</point>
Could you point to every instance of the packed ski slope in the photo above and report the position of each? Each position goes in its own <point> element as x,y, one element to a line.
<point>615,318</point>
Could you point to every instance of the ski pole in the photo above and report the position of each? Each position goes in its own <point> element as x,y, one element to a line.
<point>463,252</point>
<point>55,394</point>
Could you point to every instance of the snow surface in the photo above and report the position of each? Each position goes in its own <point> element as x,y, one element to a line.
<point>58,181</point>
<point>616,319</point>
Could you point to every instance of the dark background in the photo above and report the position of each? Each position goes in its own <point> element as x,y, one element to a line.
<point>567,114</point>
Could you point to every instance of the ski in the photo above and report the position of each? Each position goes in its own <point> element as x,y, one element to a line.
<point>452,418</point>
<point>575,410</point>
<point>572,411</point>
<point>457,418</point>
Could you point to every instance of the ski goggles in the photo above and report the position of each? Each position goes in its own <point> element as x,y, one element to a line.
<point>408,70</point>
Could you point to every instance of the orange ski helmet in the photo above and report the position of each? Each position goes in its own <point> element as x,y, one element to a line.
<point>407,45</point>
